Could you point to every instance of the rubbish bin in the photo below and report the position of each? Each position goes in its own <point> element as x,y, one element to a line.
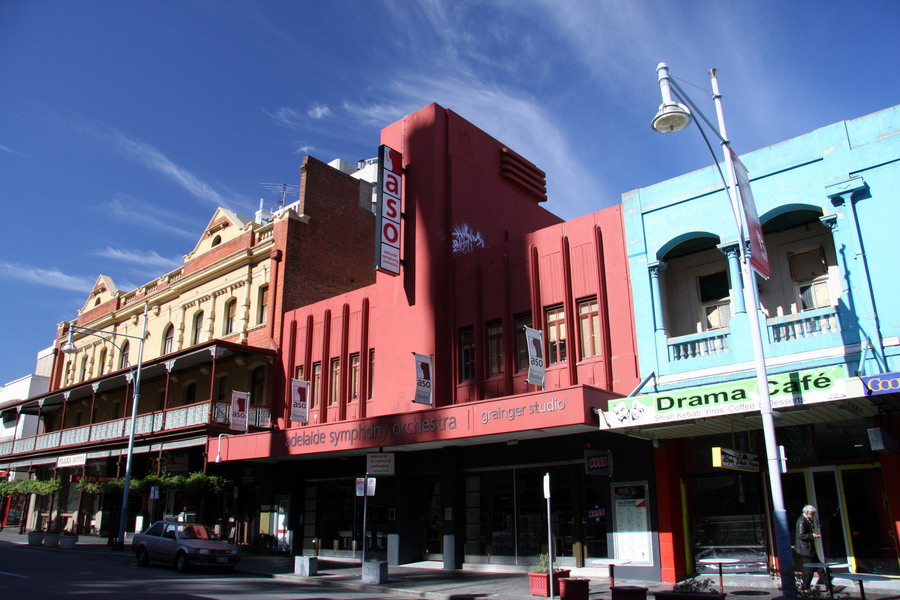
<point>628,592</point>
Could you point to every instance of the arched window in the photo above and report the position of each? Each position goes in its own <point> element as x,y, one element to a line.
<point>230,312</point>
<point>262,311</point>
<point>102,366</point>
<point>216,241</point>
<point>197,330</point>
<point>168,338</point>
<point>84,372</point>
<point>123,359</point>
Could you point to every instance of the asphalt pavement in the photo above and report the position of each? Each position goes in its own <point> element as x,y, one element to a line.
<point>428,580</point>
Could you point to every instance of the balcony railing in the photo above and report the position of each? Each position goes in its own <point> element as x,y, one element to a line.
<point>808,324</point>
<point>686,347</point>
<point>174,418</point>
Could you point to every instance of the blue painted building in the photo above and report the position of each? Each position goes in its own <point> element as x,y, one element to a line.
<point>829,204</point>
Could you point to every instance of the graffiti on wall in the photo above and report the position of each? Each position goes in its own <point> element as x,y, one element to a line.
<point>466,239</point>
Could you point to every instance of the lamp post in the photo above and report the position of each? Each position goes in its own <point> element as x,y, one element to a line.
<point>671,118</point>
<point>69,348</point>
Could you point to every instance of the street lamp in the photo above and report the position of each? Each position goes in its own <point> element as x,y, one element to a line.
<point>69,348</point>
<point>673,117</point>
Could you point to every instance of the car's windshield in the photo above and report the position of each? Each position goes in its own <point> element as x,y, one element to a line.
<point>197,532</point>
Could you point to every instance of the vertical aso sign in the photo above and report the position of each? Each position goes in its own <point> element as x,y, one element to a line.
<point>390,186</point>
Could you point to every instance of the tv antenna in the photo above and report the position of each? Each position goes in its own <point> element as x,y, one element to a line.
<point>282,191</point>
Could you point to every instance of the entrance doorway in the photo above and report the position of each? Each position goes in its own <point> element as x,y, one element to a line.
<point>852,514</point>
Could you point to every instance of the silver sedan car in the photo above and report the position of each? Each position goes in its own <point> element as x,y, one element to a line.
<point>185,545</point>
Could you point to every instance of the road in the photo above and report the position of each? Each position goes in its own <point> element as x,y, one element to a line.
<point>35,574</point>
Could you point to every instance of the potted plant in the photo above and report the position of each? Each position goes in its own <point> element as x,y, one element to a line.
<point>539,576</point>
<point>35,537</point>
<point>67,540</point>
<point>692,588</point>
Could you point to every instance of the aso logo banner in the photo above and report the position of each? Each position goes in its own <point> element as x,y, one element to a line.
<point>882,384</point>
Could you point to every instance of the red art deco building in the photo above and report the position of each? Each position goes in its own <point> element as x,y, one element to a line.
<point>460,480</point>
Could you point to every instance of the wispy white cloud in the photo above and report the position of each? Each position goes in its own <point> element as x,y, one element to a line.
<point>154,160</point>
<point>125,208</point>
<point>45,277</point>
<point>148,259</point>
<point>319,111</point>
<point>9,150</point>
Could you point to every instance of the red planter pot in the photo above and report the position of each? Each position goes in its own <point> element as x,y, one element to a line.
<point>539,583</point>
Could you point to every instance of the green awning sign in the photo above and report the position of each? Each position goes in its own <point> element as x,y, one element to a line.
<point>797,388</point>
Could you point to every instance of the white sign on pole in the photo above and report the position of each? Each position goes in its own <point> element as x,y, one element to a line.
<point>299,401</point>
<point>363,488</point>
<point>535,342</point>
<point>424,379</point>
<point>239,408</point>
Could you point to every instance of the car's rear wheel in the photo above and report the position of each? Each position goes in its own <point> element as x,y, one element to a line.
<point>143,559</point>
<point>181,562</point>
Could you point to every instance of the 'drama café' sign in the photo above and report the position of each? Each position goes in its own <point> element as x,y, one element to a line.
<point>786,389</point>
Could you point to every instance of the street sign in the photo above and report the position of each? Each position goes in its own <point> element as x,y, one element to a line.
<point>365,490</point>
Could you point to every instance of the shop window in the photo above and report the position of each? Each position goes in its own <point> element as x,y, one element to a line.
<point>556,335</point>
<point>197,329</point>
<point>168,338</point>
<point>494,348</point>
<point>522,321</point>
<point>316,385</point>
<point>354,377</point>
<point>230,312</point>
<point>262,314</point>
<point>335,381</point>
<point>467,354</point>
<point>715,302</point>
<point>810,276</point>
<point>589,327</point>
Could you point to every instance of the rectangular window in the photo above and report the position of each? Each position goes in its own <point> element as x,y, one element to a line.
<point>556,335</point>
<point>222,395</point>
<point>371,383</point>
<point>467,354</point>
<point>316,385</point>
<point>335,379</point>
<point>494,348</point>
<point>354,377</point>
<point>715,303</point>
<point>810,275</point>
<point>589,327</point>
<point>522,321</point>
<point>298,372</point>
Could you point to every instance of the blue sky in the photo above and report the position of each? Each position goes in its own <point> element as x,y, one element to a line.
<point>123,124</point>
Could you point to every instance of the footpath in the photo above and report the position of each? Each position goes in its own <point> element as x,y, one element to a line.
<point>434,583</point>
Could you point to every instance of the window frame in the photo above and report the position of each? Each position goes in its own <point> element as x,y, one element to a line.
<point>555,331</point>
<point>466,354</point>
<point>589,327</point>
<point>494,356</point>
